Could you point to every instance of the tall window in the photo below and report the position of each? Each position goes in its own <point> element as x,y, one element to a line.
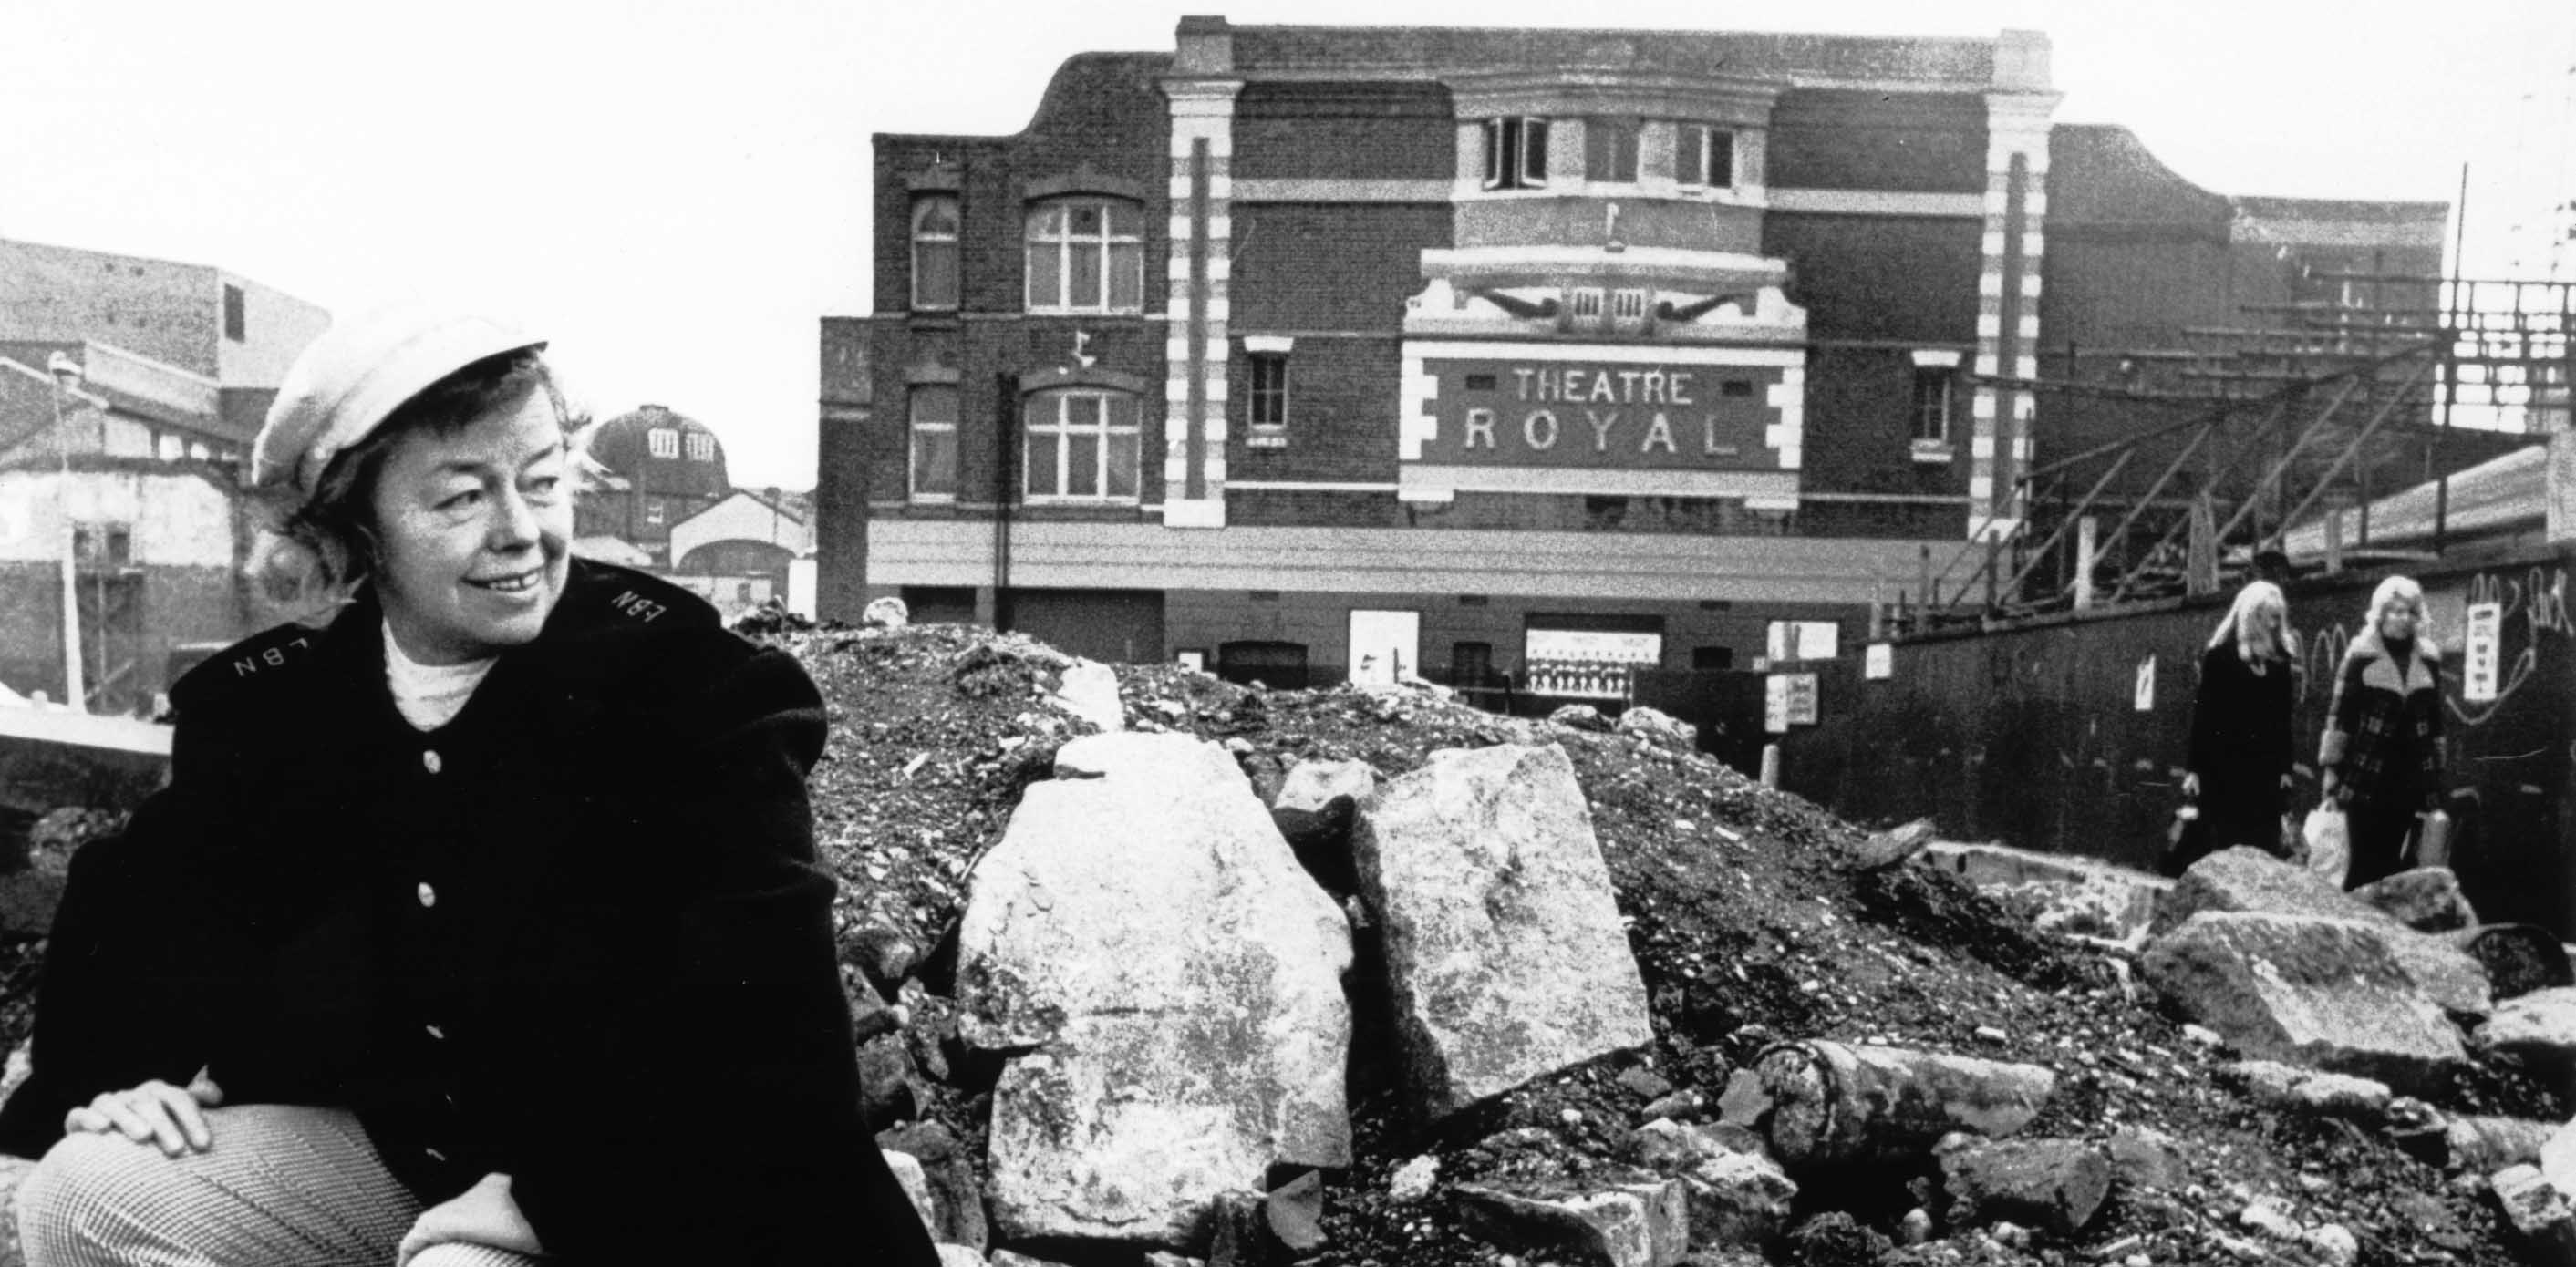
<point>1610,151</point>
<point>662,442</point>
<point>702,447</point>
<point>1268,396</point>
<point>934,443</point>
<point>1935,394</point>
<point>236,314</point>
<point>934,253</point>
<point>1515,153</point>
<point>1706,157</point>
<point>1086,255</point>
<point>1080,445</point>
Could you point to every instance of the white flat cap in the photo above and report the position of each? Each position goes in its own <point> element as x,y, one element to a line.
<point>357,374</point>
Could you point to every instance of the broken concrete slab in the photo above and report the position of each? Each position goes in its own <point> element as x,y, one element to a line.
<point>2251,881</point>
<point>1658,727</point>
<point>1880,850</point>
<point>2518,958</point>
<point>1831,1104</point>
<point>2057,1185</point>
<point>1089,690</point>
<point>1739,1197</point>
<point>1314,809</point>
<point>2308,1091</point>
<point>1505,956</point>
<point>2539,1214</point>
<point>2539,1029</point>
<point>1160,1062</point>
<point>2426,899</point>
<point>1625,1225</point>
<point>2325,993</point>
<point>2484,1144</point>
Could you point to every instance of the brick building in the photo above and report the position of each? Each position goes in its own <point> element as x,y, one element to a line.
<point>1313,351</point>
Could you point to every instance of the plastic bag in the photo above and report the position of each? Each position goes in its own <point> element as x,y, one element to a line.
<point>2433,840</point>
<point>2329,837</point>
<point>2186,841</point>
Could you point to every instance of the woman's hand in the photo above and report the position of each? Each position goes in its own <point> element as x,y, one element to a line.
<point>2191,783</point>
<point>481,1215</point>
<point>153,1113</point>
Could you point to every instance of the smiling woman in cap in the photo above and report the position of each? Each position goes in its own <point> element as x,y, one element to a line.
<point>480,922</point>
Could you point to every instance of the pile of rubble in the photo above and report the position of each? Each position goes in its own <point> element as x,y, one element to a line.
<point>1148,968</point>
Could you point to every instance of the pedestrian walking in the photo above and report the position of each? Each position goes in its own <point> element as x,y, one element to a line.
<point>480,924</point>
<point>2382,750</point>
<point>2241,748</point>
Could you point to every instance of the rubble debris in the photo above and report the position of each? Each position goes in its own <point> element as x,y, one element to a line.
<point>2055,1185</point>
<point>1833,1104</point>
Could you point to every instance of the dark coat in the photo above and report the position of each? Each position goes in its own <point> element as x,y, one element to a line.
<point>2241,746</point>
<point>578,934</point>
<point>2383,731</point>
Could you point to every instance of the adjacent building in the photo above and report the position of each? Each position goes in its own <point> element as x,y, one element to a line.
<point>1313,352</point>
<point>652,469</point>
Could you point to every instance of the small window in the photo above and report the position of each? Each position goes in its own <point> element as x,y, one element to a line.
<point>1480,382</point>
<point>236,314</point>
<point>742,591</point>
<point>103,545</point>
<point>1587,304</point>
<point>1934,393</point>
<point>655,513</point>
<point>1080,446</point>
<point>662,442</point>
<point>1628,305</point>
<point>1268,396</point>
<point>934,443</point>
<point>1738,387</point>
<point>1712,659</point>
<point>702,447</point>
<point>1086,255</point>
<point>1516,153</point>
<point>1610,151</point>
<point>934,254</point>
<point>1706,158</point>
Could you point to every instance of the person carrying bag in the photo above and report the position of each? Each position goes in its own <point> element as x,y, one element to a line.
<point>2382,749</point>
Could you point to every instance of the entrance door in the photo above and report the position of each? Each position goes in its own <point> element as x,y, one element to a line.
<point>1384,644</point>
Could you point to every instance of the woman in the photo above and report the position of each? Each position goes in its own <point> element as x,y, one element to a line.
<point>2382,752</point>
<point>481,925</point>
<point>2240,726</point>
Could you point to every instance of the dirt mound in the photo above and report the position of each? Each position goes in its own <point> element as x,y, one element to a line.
<point>1743,926</point>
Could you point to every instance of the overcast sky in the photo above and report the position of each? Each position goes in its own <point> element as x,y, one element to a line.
<point>675,192</point>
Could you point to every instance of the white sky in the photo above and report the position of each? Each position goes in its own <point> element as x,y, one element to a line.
<point>676,192</point>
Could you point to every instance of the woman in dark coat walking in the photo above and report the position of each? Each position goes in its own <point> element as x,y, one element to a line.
<point>2239,764</point>
<point>478,926</point>
<point>2382,751</point>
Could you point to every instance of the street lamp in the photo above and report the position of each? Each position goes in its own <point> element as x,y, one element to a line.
<point>67,376</point>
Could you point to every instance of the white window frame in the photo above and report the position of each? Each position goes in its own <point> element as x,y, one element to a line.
<point>1048,227</point>
<point>1620,142</point>
<point>1703,139</point>
<point>1516,152</point>
<point>1586,302</point>
<point>932,239</point>
<point>915,427</point>
<point>1057,407</point>
<point>701,447</point>
<point>662,442</point>
<point>1256,393</point>
<point>1931,418</point>
<point>1628,304</point>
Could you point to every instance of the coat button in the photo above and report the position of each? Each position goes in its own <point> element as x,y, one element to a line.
<point>429,761</point>
<point>436,1032</point>
<point>428,896</point>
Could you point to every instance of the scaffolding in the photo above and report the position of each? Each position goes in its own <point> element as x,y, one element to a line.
<point>2287,415</point>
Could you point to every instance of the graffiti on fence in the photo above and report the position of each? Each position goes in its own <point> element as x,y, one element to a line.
<point>2535,604</point>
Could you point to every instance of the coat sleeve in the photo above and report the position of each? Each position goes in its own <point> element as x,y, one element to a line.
<point>2343,710</point>
<point>2208,711</point>
<point>753,1088</point>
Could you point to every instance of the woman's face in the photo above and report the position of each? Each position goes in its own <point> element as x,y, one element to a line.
<point>473,533</point>
<point>2398,621</point>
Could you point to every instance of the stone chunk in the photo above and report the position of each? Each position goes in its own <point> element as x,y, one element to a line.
<point>13,1171</point>
<point>1314,809</point>
<point>1169,983</point>
<point>2519,958</point>
<point>1630,1225</point>
<point>2146,1159</point>
<point>1295,1213</point>
<point>2539,1213</point>
<point>1881,850</point>
<point>2325,993</point>
<point>1505,956</point>
<point>2279,1086</point>
<point>2483,1144</point>
<point>1089,691</point>
<point>2426,899</point>
<point>886,613</point>
<point>1658,727</point>
<point>1833,1104</point>
<point>1739,1197</point>
<point>2538,1028</point>
<point>2054,1184</point>
<point>1580,717</point>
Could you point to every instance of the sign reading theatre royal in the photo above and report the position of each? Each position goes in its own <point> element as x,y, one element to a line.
<point>1655,421</point>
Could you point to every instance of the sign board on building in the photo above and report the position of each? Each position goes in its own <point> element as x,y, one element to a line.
<point>2481,648</point>
<point>1775,704</point>
<point>1638,415</point>
<point>1805,640</point>
<point>2146,690</point>
<point>1802,699</point>
<point>1879,662</point>
<point>1587,663</point>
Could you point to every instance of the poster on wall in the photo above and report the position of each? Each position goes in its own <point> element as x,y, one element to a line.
<point>1775,704</point>
<point>2147,685</point>
<point>1587,663</point>
<point>2480,650</point>
<point>1805,640</point>
<point>1879,663</point>
<point>1802,699</point>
